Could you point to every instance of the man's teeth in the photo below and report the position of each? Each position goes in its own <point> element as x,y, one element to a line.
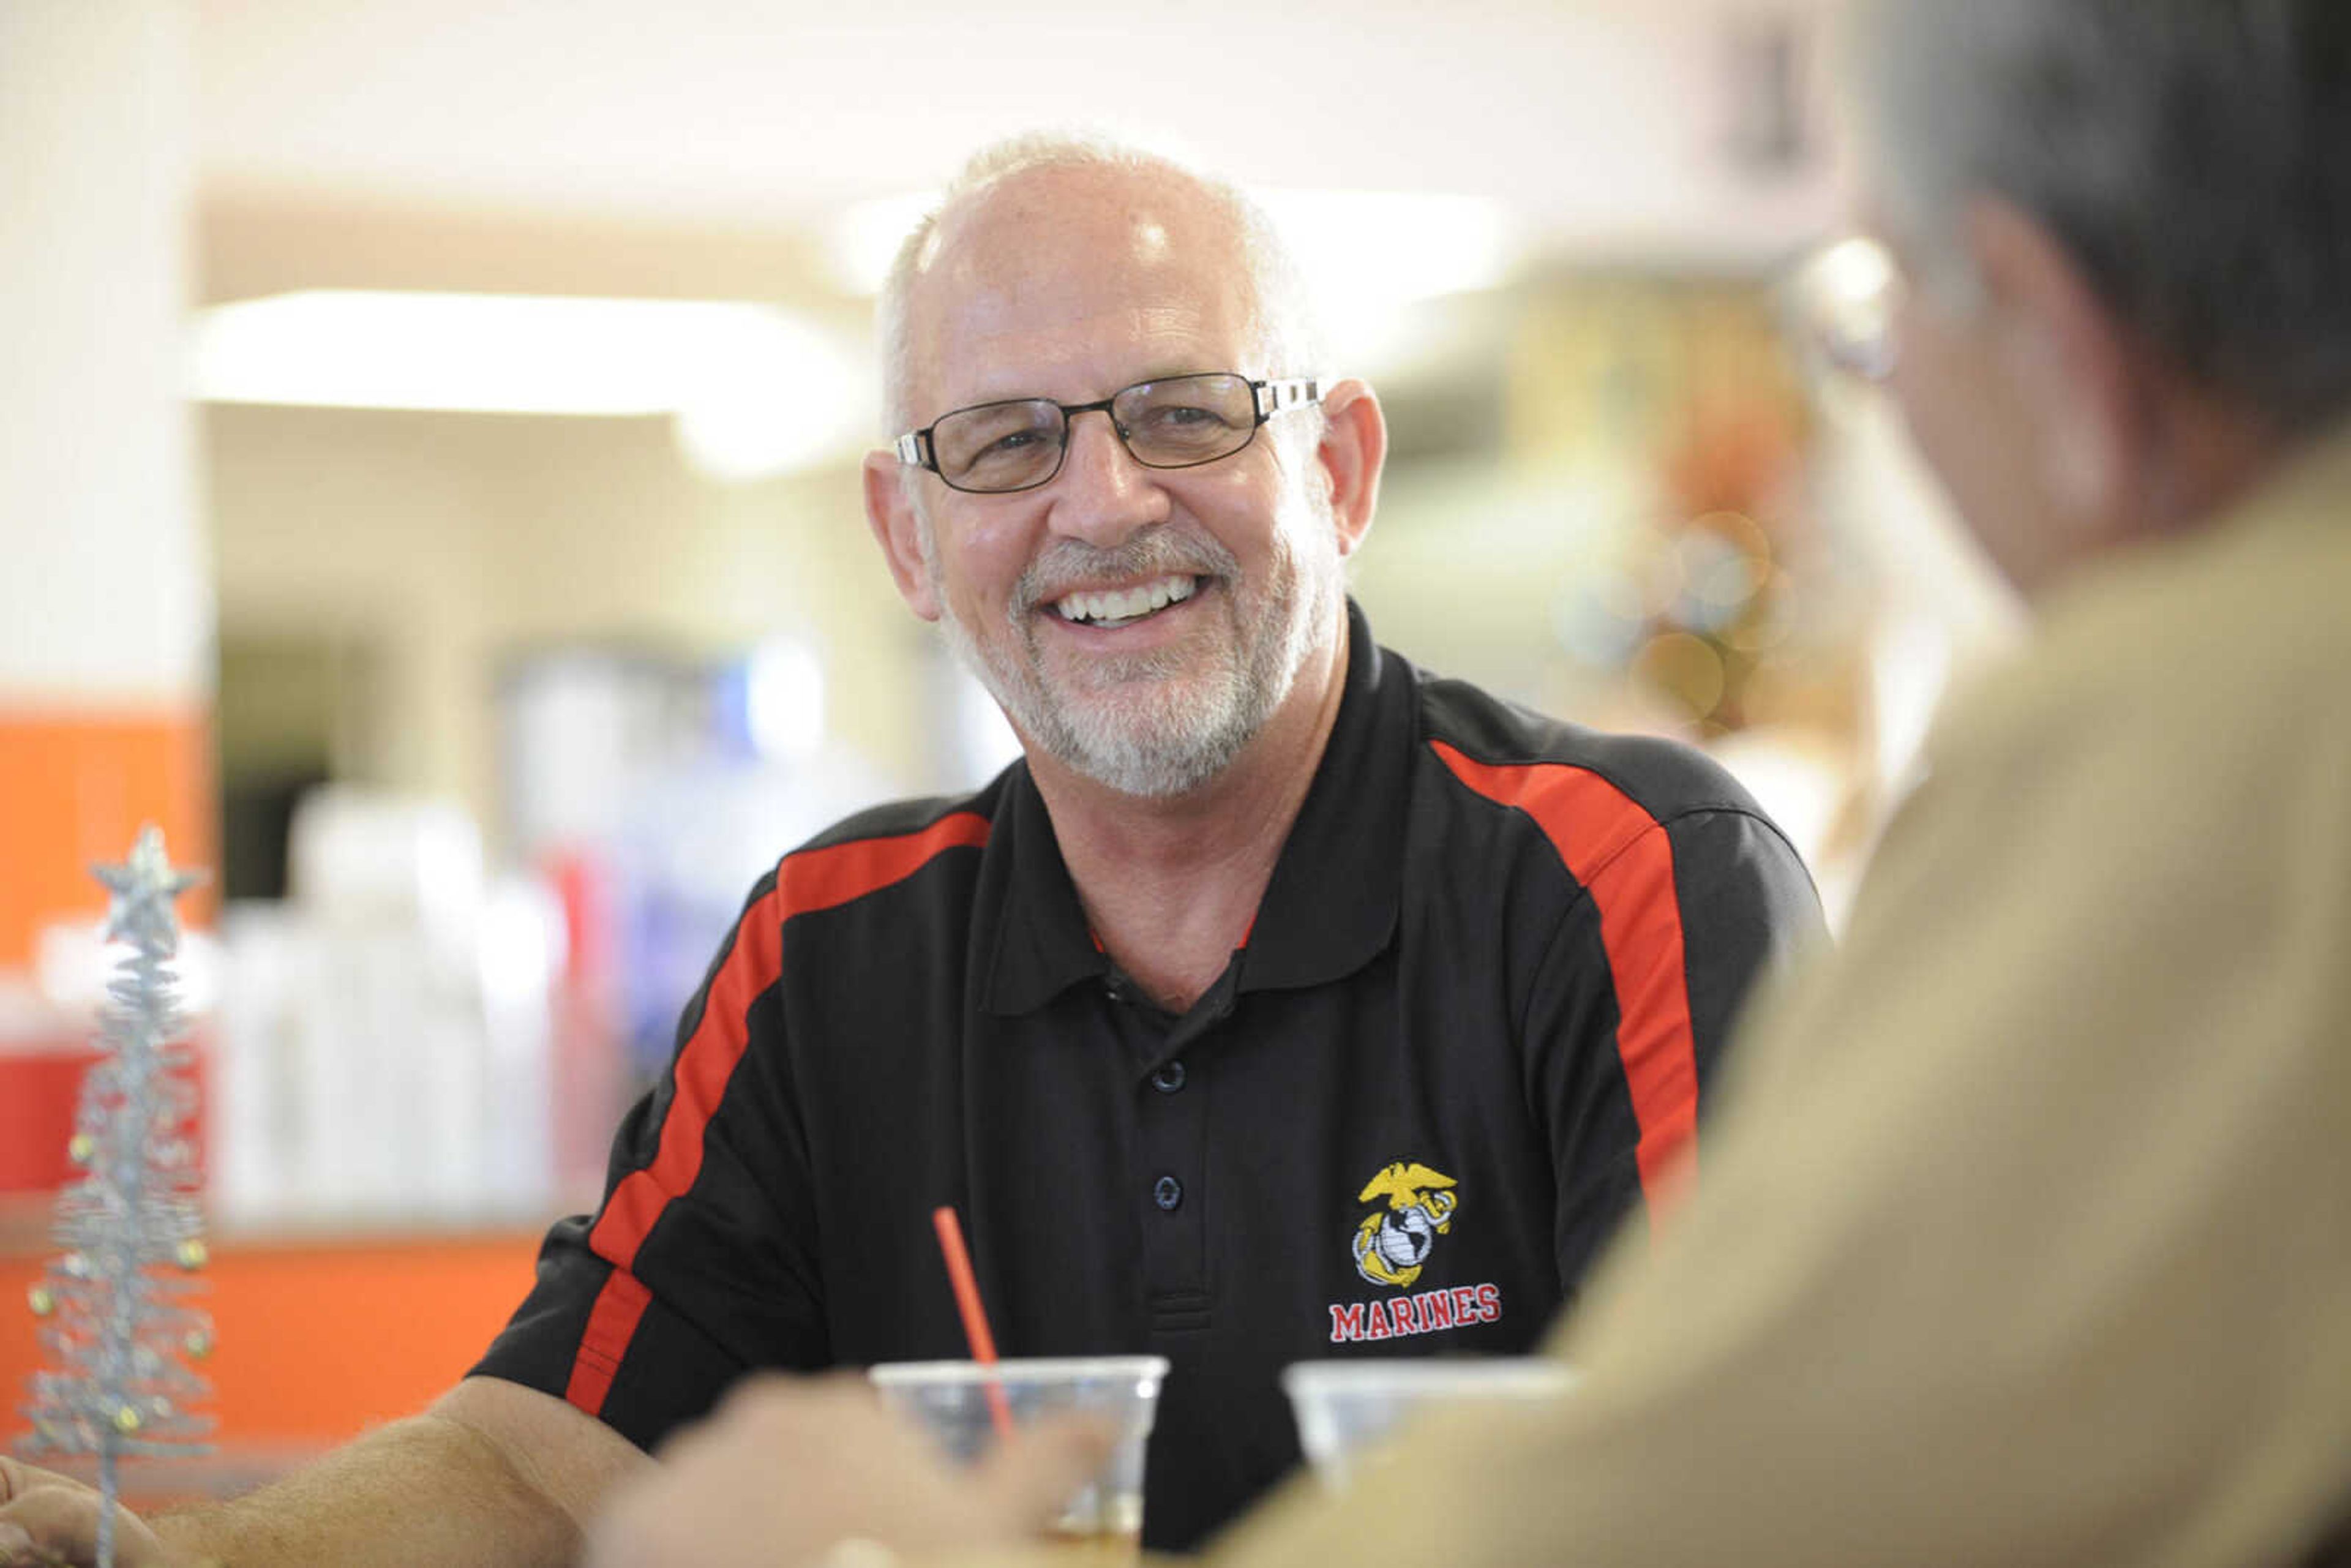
<point>1127,604</point>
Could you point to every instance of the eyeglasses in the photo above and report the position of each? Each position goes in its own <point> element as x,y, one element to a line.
<point>1178,421</point>
<point>1840,302</point>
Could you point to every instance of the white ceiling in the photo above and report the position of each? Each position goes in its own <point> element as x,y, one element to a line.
<point>1608,128</point>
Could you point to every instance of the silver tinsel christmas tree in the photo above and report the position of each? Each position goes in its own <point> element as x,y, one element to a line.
<point>118,1333</point>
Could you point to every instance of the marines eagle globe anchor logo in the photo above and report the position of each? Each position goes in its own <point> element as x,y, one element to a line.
<point>1392,1244</point>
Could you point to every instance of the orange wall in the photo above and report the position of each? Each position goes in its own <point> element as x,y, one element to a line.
<point>75,789</point>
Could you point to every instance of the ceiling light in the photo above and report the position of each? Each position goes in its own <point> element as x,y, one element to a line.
<point>756,388</point>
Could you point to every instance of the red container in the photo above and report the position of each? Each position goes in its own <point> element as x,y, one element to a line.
<point>40,1085</point>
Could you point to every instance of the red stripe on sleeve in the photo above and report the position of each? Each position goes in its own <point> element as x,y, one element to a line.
<point>807,881</point>
<point>611,1325</point>
<point>1609,845</point>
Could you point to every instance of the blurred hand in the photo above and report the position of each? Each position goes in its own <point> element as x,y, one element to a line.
<point>48,1519</point>
<point>789,1468</point>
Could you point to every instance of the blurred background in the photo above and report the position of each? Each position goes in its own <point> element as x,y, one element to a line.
<point>428,484</point>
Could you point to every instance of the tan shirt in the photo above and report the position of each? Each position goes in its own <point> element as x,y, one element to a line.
<point>2025,1237</point>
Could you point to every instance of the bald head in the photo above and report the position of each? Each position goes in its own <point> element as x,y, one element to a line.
<point>1065,228</point>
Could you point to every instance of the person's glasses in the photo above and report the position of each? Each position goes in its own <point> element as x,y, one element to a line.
<point>1178,421</point>
<point>1841,302</point>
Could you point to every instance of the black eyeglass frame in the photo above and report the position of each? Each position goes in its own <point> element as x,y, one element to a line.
<point>1269,397</point>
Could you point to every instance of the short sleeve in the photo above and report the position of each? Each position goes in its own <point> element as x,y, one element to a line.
<point>699,1262</point>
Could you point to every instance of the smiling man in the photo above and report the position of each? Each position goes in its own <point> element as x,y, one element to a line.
<point>1283,1001</point>
<point>1263,913</point>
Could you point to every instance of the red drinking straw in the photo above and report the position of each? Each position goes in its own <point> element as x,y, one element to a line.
<point>975,1320</point>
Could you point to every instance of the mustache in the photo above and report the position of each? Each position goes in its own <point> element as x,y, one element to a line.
<point>1156,551</point>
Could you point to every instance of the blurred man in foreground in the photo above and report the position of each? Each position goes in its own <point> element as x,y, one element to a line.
<point>1282,995</point>
<point>2027,1232</point>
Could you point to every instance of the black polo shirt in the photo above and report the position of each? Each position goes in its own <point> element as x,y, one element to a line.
<point>1468,1030</point>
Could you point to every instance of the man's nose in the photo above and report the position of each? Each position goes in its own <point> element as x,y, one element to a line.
<point>1103,494</point>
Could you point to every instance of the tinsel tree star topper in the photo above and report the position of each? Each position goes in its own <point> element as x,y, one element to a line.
<point>115,1322</point>
<point>144,888</point>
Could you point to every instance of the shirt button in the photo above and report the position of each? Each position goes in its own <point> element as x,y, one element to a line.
<point>1167,1193</point>
<point>1169,1078</point>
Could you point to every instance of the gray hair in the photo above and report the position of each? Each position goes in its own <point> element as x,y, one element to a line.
<point>2194,155</point>
<point>1289,337</point>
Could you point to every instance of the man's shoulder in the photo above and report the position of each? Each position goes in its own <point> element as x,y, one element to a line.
<point>1492,745</point>
<point>910,816</point>
<point>883,845</point>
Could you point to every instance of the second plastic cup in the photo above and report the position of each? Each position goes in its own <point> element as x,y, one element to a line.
<point>950,1400</point>
<point>1345,1407</point>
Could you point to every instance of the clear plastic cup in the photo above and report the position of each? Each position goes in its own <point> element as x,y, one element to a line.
<point>1346,1407</point>
<point>1103,1522</point>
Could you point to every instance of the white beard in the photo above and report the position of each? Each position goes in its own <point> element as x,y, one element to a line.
<point>1159,725</point>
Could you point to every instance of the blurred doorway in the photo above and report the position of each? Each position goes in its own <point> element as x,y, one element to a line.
<point>293,711</point>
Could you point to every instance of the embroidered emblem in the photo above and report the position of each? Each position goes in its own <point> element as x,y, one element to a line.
<point>1392,1244</point>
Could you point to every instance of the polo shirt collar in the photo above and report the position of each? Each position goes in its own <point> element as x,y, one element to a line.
<point>1043,945</point>
<point>1330,906</point>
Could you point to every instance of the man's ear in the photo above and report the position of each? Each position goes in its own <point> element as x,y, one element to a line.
<point>889,513</point>
<point>2071,361</point>
<point>1353,449</point>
